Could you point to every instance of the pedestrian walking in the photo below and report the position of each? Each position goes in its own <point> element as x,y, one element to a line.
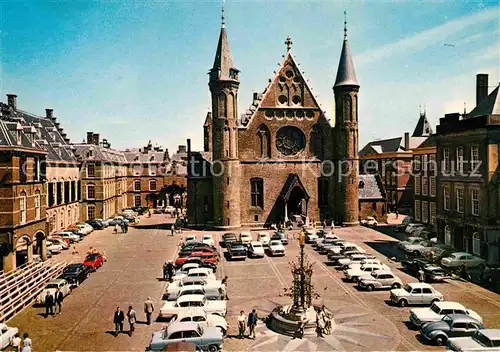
<point>126,227</point>
<point>132,318</point>
<point>118,319</point>
<point>148,309</point>
<point>172,230</point>
<point>170,271</point>
<point>27,343</point>
<point>224,287</point>
<point>421,275</point>
<point>116,228</point>
<point>75,251</point>
<point>49,304</point>
<point>241,325</point>
<point>15,342</point>
<point>252,323</point>
<point>397,214</point>
<point>122,226</point>
<point>58,299</point>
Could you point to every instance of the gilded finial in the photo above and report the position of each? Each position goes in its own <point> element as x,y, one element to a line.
<point>345,24</point>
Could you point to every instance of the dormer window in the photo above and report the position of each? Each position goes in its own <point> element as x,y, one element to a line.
<point>361,184</point>
<point>136,158</point>
<point>152,158</point>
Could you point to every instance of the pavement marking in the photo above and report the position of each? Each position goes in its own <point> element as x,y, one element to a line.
<point>104,292</point>
<point>251,278</point>
<point>278,274</point>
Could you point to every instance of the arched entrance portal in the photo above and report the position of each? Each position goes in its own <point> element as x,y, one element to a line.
<point>24,251</point>
<point>40,245</point>
<point>296,204</point>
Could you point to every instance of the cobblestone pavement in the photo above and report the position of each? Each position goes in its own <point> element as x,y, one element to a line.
<point>363,320</point>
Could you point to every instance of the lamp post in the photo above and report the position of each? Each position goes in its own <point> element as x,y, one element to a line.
<point>302,271</point>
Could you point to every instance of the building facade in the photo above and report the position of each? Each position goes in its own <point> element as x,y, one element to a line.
<point>467,148</point>
<point>425,183</point>
<point>372,198</point>
<point>265,166</point>
<point>23,193</point>
<point>103,174</point>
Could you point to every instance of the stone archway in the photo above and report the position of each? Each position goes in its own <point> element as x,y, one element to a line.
<point>23,250</point>
<point>40,247</point>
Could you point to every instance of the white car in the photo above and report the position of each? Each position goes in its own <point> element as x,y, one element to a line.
<point>205,273</point>
<point>420,316</point>
<point>184,269</point>
<point>415,293</point>
<point>171,308</point>
<point>459,259</point>
<point>264,238</point>
<point>483,340</point>
<point>411,240</point>
<point>276,248</point>
<point>51,287</point>
<point>6,335</point>
<point>412,227</point>
<point>379,279</point>
<point>343,246</point>
<point>256,249</point>
<point>85,228</point>
<point>355,258</point>
<point>54,248</point>
<point>329,238</point>
<point>208,239</point>
<point>174,288</point>
<point>363,262</point>
<point>365,269</point>
<point>417,249</point>
<point>369,221</point>
<point>201,317</point>
<point>209,291</point>
<point>59,241</point>
<point>246,237</point>
<point>69,236</point>
<point>190,238</point>
<point>311,235</point>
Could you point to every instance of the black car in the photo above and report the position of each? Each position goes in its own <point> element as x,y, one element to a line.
<point>228,238</point>
<point>412,266</point>
<point>75,273</point>
<point>96,224</point>
<point>237,250</point>
<point>434,273</point>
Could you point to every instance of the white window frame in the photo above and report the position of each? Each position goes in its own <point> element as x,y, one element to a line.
<point>38,202</point>
<point>447,234</point>
<point>446,198</point>
<point>432,211</point>
<point>474,157</point>
<point>425,212</point>
<point>460,159</point>
<point>89,207</point>
<point>459,196</point>
<point>446,159</point>
<point>87,193</point>
<point>425,186</point>
<point>432,162</point>
<point>135,185</point>
<point>432,186</point>
<point>156,185</point>
<point>424,162</point>
<point>23,202</point>
<point>87,170</point>
<point>417,210</point>
<point>476,244</point>
<point>417,162</point>
<point>137,196</point>
<point>474,201</point>
<point>417,185</point>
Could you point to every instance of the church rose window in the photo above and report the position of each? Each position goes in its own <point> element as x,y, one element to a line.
<point>290,140</point>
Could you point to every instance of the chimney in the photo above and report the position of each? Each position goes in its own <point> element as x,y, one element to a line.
<point>95,139</point>
<point>407,141</point>
<point>49,113</point>
<point>90,137</point>
<point>12,101</point>
<point>181,149</point>
<point>481,87</point>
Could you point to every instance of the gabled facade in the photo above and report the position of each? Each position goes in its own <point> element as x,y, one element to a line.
<point>265,165</point>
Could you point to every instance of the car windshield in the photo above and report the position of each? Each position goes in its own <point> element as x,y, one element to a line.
<point>407,288</point>
<point>91,257</point>
<point>207,238</point>
<point>374,274</point>
<point>483,340</point>
<point>454,256</point>
<point>435,309</point>
<point>275,243</point>
<point>447,319</point>
<point>51,286</point>
<point>256,245</point>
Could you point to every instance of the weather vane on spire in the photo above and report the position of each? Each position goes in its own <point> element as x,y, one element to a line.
<point>288,43</point>
<point>345,24</point>
<point>223,19</point>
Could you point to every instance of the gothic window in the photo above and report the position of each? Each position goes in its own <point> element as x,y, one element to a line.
<point>355,107</point>
<point>38,203</point>
<point>347,108</point>
<point>317,142</point>
<point>257,192</point>
<point>264,137</point>
<point>323,185</point>
<point>283,97</point>
<point>290,140</point>
<point>222,105</point>
<point>22,207</point>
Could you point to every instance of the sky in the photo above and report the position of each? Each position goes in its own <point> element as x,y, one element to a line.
<point>136,71</point>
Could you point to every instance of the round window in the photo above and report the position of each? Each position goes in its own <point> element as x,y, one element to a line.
<point>280,114</point>
<point>282,79</point>
<point>309,114</point>
<point>290,140</point>
<point>289,73</point>
<point>299,114</point>
<point>296,79</point>
<point>296,99</point>
<point>282,99</point>
<point>269,114</point>
<point>290,115</point>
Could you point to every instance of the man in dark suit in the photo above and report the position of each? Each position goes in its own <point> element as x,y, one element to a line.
<point>49,304</point>
<point>118,319</point>
<point>58,297</point>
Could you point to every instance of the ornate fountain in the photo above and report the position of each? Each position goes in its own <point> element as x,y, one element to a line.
<point>286,319</point>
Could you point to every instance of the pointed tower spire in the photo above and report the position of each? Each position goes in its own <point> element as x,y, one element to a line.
<point>423,127</point>
<point>223,68</point>
<point>346,76</point>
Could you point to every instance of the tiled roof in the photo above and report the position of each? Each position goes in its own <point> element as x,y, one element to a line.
<point>346,76</point>
<point>47,133</point>
<point>91,152</point>
<point>423,127</point>
<point>391,145</point>
<point>223,61</point>
<point>489,106</point>
<point>429,142</point>
<point>370,187</point>
<point>151,156</point>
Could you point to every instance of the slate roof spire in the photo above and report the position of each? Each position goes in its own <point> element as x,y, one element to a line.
<point>223,68</point>
<point>423,127</point>
<point>346,76</point>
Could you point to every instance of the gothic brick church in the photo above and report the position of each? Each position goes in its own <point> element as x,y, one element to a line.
<point>273,163</point>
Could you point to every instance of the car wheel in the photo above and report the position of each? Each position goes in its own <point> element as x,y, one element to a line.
<point>213,348</point>
<point>403,302</point>
<point>416,253</point>
<point>434,301</point>
<point>396,285</point>
<point>440,340</point>
<point>77,283</point>
<point>370,288</point>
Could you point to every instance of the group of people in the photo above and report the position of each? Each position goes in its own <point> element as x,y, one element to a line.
<point>168,271</point>
<point>53,302</point>
<point>323,322</point>
<point>123,226</point>
<point>244,321</point>
<point>18,345</point>
<point>131,315</point>
<point>93,250</point>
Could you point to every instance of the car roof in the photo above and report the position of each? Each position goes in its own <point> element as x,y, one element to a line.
<point>55,281</point>
<point>462,318</point>
<point>181,326</point>
<point>384,271</point>
<point>419,285</point>
<point>256,243</point>
<point>199,270</point>
<point>192,287</point>
<point>263,233</point>
<point>245,233</point>
<point>460,253</point>
<point>206,236</point>
<point>276,241</point>
<point>229,234</point>
<point>492,334</point>
<point>448,304</point>
<point>191,311</point>
<point>188,298</point>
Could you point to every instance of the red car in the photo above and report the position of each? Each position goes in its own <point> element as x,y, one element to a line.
<point>94,261</point>
<point>207,257</point>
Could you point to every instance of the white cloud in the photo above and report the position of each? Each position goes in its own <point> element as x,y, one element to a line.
<point>426,38</point>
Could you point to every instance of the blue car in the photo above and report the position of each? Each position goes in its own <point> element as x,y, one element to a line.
<point>204,338</point>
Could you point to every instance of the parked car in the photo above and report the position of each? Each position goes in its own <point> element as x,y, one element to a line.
<point>369,221</point>
<point>458,259</point>
<point>84,228</point>
<point>413,266</point>
<point>365,269</point>
<point>379,279</point>
<point>209,293</point>
<point>198,315</point>
<point>197,246</point>
<point>415,293</point>
<point>255,249</point>
<point>208,239</point>
<point>310,235</point>
<point>204,338</point>
<point>409,241</point>
<point>118,220</point>
<point>203,256</point>
<point>355,258</point>
<point>171,308</point>
<point>264,238</point>
<point>105,223</point>
<point>204,273</point>
<point>53,247</point>
<point>420,316</point>
<point>482,340</point>
<point>433,273</point>
<point>280,236</point>
<point>75,273</point>
<point>417,249</point>
<point>96,224</point>
<point>453,325</point>
<point>412,227</point>
<point>70,236</point>
<point>228,238</point>
<point>58,240</point>
<point>7,333</point>
<point>174,288</point>
<point>246,237</point>
<point>237,250</point>
<point>52,287</point>
<point>402,226</point>
<point>94,261</point>
<point>276,248</point>
<point>169,209</point>
<point>364,262</point>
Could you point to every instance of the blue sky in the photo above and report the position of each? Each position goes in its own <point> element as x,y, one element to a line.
<point>137,71</point>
